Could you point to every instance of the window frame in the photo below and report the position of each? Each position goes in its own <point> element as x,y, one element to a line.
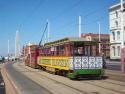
<point>113,34</point>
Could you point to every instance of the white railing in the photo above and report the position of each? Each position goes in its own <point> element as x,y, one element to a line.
<point>85,62</point>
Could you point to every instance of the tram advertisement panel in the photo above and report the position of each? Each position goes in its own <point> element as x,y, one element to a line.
<point>55,62</point>
<point>67,63</point>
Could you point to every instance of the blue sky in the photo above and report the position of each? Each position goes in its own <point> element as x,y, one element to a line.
<point>29,17</point>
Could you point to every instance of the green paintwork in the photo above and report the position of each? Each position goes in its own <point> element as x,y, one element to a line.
<point>70,40</point>
<point>96,72</point>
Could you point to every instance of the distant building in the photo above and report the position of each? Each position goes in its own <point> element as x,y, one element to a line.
<point>115,29</point>
<point>105,46</point>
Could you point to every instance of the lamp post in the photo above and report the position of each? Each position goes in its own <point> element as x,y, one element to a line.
<point>8,49</point>
<point>122,39</point>
<point>99,38</point>
<point>80,26</point>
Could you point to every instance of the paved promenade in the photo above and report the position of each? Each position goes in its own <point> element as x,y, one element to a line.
<point>9,86</point>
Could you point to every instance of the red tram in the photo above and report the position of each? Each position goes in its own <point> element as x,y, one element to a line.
<point>73,57</point>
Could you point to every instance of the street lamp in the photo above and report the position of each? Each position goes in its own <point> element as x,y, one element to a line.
<point>99,38</point>
<point>122,39</point>
<point>8,49</point>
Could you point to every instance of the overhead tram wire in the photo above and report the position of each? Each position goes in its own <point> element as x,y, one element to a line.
<point>63,12</point>
<point>92,12</point>
<point>74,5</point>
<point>100,9</point>
<point>43,34</point>
<point>32,12</point>
<point>90,22</point>
<point>67,10</point>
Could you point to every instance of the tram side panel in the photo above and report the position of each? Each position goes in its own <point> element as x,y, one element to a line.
<point>58,63</point>
<point>74,66</point>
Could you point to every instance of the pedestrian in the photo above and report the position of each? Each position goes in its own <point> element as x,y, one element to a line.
<point>3,59</point>
<point>104,61</point>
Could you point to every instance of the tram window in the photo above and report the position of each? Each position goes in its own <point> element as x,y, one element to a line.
<point>75,51</point>
<point>40,52</point>
<point>67,51</point>
<point>71,51</point>
<point>32,54</point>
<point>48,52</point>
<point>86,51</point>
<point>44,52</point>
<point>61,52</point>
<point>57,50</point>
<point>52,51</point>
<point>90,50</point>
<point>78,51</point>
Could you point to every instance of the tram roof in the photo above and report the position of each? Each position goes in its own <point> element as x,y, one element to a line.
<point>70,40</point>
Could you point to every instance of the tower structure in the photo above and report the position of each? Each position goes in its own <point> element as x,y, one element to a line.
<point>17,45</point>
<point>80,26</point>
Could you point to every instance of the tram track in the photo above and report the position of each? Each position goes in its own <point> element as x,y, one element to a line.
<point>79,90</point>
<point>113,83</point>
<point>91,83</point>
<point>83,92</point>
<point>37,74</point>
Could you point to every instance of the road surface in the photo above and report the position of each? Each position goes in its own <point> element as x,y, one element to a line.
<point>62,85</point>
<point>113,65</point>
<point>25,85</point>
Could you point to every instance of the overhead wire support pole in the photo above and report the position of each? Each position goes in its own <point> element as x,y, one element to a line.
<point>122,25</point>
<point>8,49</point>
<point>80,25</point>
<point>122,39</point>
<point>99,37</point>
